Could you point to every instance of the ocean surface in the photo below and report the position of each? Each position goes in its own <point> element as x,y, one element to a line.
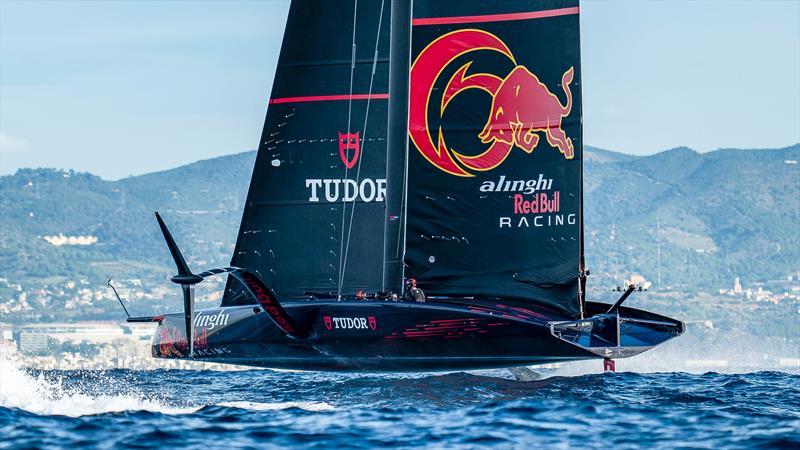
<point>271,409</point>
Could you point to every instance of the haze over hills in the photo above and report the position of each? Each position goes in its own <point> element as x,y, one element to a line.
<point>717,215</point>
<point>691,220</point>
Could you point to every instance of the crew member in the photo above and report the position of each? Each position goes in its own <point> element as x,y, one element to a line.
<point>413,292</point>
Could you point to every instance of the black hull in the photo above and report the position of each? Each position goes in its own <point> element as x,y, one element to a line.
<point>389,336</point>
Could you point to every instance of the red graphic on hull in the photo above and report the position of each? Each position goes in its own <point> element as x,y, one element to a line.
<point>522,106</point>
<point>201,341</point>
<point>169,343</point>
<point>443,329</point>
<point>268,302</point>
<point>328,322</point>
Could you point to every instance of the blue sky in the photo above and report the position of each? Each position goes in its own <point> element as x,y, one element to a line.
<point>122,88</point>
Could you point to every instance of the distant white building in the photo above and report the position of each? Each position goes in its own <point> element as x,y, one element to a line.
<point>70,240</point>
<point>36,338</point>
<point>737,286</point>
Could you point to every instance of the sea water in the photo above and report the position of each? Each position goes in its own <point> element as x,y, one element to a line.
<point>280,409</point>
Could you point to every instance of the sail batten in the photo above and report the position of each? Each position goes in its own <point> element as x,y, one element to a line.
<point>328,98</point>
<point>452,20</point>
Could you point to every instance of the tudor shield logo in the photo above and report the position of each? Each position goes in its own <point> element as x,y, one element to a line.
<point>332,190</point>
<point>524,110</point>
<point>349,142</point>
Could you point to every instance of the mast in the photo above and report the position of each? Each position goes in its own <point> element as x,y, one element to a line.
<point>582,244</point>
<point>397,146</point>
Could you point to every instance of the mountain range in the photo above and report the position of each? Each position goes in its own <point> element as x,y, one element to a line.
<point>680,218</point>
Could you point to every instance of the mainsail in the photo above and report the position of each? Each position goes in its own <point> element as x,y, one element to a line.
<point>494,161</point>
<point>457,163</point>
<point>314,212</point>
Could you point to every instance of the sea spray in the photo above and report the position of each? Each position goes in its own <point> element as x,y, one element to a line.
<point>49,396</point>
<point>43,395</point>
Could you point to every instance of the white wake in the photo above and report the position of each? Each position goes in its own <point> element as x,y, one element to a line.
<point>39,395</point>
<point>255,406</point>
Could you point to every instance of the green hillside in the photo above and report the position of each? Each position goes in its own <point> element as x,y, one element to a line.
<point>712,216</point>
<point>716,215</point>
<point>201,201</point>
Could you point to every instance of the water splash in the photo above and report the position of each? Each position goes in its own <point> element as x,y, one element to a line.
<point>256,406</point>
<point>39,395</point>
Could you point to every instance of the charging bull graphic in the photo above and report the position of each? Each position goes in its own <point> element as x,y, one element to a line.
<point>522,106</point>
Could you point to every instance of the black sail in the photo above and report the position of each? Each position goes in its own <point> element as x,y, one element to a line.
<point>314,216</point>
<point>495,150</point>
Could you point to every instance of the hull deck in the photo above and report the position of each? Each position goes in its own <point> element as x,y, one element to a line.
<point>386,336</point>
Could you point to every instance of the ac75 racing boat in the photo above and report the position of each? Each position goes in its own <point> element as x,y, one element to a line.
<point>416,202</point>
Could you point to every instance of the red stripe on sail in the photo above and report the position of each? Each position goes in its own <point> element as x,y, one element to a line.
<point>496,17</point>
<point>327,98</point>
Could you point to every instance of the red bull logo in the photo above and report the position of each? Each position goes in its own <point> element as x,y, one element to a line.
<point>523,108</point>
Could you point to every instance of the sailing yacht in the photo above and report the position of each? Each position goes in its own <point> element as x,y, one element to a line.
<point>416,202</point>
